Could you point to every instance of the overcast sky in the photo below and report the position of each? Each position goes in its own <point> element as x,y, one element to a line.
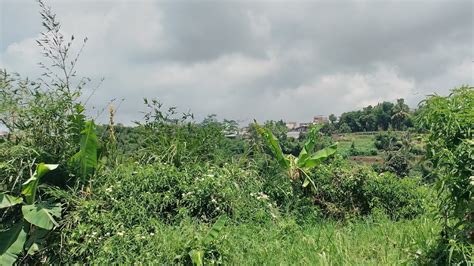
<point>241,60</point>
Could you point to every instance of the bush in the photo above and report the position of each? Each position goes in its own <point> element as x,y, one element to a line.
<point>385,141</point>
<point>450,151</point>
<point>16,163</point>
<point>346,191</point>
<point>135,196</point>
<point>397,162</point>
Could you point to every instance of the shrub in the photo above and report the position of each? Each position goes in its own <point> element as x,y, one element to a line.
<point>385,141</point>
<point>16,164</point>
<point>345,191</point>
<point>450,150</point>
<point>136,193</point>
<point>46,115</point>
<point>397,162</point>
<point>170,138</point>
<point>137,196</point>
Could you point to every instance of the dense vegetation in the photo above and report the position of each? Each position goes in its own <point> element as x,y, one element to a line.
<point>173,190</point>
<point>383,116</point>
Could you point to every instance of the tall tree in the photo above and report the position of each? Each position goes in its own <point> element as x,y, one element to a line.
<point>400,114</point>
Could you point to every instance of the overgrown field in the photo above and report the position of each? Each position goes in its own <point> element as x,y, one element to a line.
<point>372,241</point>
<point>173,190</point>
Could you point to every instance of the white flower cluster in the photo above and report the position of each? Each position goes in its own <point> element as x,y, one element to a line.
<point>260,196</point>
<point>187,194</point>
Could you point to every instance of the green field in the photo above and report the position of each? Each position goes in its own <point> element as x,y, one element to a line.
<point>362,142</point>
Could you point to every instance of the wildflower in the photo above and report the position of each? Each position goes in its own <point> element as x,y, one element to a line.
<point>472,180</point>
<point>152,234</point>
<point>109,189</point>
<point>262,196</point>
<point>120,233</point>
<point>187,194</point>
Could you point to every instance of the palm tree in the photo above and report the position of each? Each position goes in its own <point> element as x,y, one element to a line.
<point>400,113</point>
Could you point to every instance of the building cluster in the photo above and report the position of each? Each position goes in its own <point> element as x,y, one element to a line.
<point>3,134</point>
<point>295,129</point>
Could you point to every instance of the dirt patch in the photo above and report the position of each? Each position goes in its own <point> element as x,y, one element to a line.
<point>366,159</point>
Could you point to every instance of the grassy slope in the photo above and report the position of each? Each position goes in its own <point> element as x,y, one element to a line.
<point>362,243</point>
<point>366,242</point>
<point>361,142</point>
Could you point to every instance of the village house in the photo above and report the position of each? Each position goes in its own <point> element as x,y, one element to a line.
<point>296,129</point>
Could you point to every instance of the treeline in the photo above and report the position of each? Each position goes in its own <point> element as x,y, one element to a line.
<point>383,116</point>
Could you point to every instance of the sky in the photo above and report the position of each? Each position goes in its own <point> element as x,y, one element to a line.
<point>242,60</point>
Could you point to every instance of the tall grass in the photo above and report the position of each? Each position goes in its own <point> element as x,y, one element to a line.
<point>376,241</point>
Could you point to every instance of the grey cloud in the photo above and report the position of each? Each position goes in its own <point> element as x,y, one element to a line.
<point>265,60</point>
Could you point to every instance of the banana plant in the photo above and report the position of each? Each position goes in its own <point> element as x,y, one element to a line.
<point>297,167</point>
<point>198,250</point>
<point>38,218</point>
<point>85,160</point>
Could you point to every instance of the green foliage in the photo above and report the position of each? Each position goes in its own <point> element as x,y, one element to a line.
<point>363,145</point>
<point>11,244</point>
<point>44,116</point>
<point>16,163</point>
<point>297,167</point>
<point>30,187</point>
<point>449,121</point>
<point>35,217</point>
<point>372,241</point>
<point>178,140</point>
<point>386,141</point>
<point>42,214</point>
<point>135,194</point>
<point>85,160</point>
<point>184,192</point>
<point>9,201</point>
<point>397,162</point>
<point>204,247</point>
<point>345,191</point>
<point>344,128</point>
<point>380,117</point>
<point>274,146</point>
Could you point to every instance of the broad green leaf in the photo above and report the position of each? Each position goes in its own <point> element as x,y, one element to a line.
<point>35,240</point>
<point>309,145</point>
<point>11,243</point>
<point>8,200</point>
<point>319,156</point>
<point>308,180</point>
<point>42,215</point>
<point>272,143</point>
<point>215,230</point>
<point>197,257</point>
<point>31,185</point>
<point>85,160</point>
<point>33,249</point>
